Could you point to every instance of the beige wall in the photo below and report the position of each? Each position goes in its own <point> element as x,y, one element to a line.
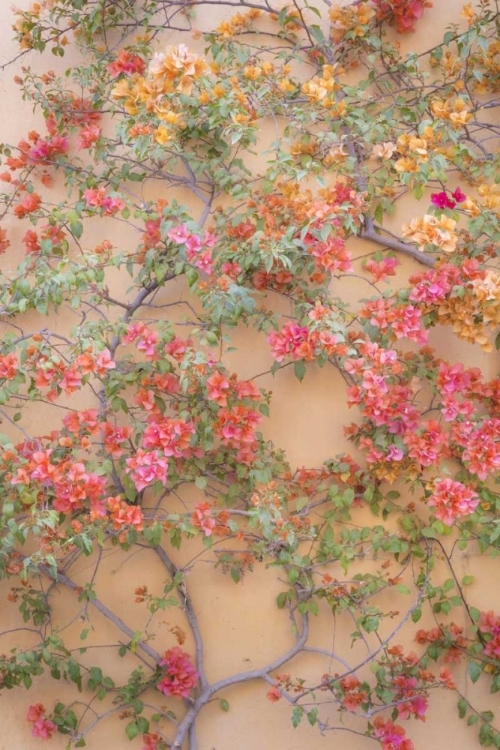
<point>241,625</point>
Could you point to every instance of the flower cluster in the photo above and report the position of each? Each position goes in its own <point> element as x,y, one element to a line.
<point>180,675</point>
<point>42,727</point>
<point>97,198</point>
<point>465,297</point>
<point>451,500</point>
<point>489,626</point>
<point>442,200</point>
<point>432,230</point>
<point>353,20</point>
<point>401,13</point>
<point>391,736</point>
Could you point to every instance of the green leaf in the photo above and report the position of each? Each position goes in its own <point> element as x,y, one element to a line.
<point>474,671</point>
<point>312,716</point>
<point>297,715</point>
<point>282,599</point>
<point>416,614</point>
<point>429,533</point>
<point>462,706</point>
<point>224,705</point>
<point>475,614</point>
<point>76,229</point>
<point>292,575</point>
<point>142,725</point>
<point>370,624</point>
<point>132,730</point>
<point>299,369</point>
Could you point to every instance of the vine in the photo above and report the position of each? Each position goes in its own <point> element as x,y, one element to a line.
<point>182,224</point>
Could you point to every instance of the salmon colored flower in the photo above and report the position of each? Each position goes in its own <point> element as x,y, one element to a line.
<point>180,675</point>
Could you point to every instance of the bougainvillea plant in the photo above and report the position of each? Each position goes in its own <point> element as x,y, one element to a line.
<point>184,224</point>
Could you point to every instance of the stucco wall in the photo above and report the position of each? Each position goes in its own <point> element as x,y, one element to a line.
<point>241,625</point>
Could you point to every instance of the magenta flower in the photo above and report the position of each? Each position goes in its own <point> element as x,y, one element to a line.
<point>441,200</point>
<point>458,195</point>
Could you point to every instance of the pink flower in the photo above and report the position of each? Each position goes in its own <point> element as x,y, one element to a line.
<point>150,739</point>
<point>133,331</point>
<point>42,727</point>
<point>88,135</point>
<point>98,199</point>
<point>171,436</point>
<point>482,446</point>
<point>231,269</point>
<point>273,694</point>
<point>178,234</point>
<point>382,269</point>
<point>35,712</point>
<point>217,387</point>
<point>408,325</point>
<point>95,197</point>
<point>123,514</point>
<point>452,378</point>
<point>288,341</point>
<point>392,736</point>
<point>428,447</point>
<point>104,362</point>
<point>209,239</point>
<point>451,500</point>
<point>45,150</point>
<point>71,381</point>
<point>126,63</point>
<point>394,454</point>
<point>177,348</point>
<point>147,467</point>
<point>112,204</point>
<point>202,518</point>
<point>180,674</point>
<point>204,262</point>
<point>147,343</point>
<point>193,244</point>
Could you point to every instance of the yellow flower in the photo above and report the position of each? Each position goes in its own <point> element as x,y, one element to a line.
<point>122,90</point>
<point>470,207</point>
<point>204,98</point>
<point>418,146</point>
<point>314,91</point>
<point>431,230</point>
<point>406,165</point>
<point>218,91</point>
<point>457,111</point>
<point>252,72</point>
<point>488,288</point>
<point>171,118</point>
<point>162,136</point>
<point>285,85</point>
<point>468,14</point>
<point>179,65</point>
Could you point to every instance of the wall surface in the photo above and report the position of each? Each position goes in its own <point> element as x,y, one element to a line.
<point>241,625</point>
